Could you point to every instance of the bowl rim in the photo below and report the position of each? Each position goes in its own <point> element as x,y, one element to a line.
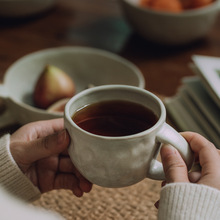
<point>214,6</point>
<point>74,50</point>
<point>60,50</point>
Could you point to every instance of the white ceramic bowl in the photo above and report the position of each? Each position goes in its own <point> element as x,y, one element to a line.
<point>84,65</point>
<point>23,8</point>
<point>170,28</point>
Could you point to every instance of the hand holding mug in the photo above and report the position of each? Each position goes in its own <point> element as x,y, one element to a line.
<point>206,155</point>
<point>40,151</point>
<point>129,155</point>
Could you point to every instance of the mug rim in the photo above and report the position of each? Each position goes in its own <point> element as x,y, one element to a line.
<point>160,120</point>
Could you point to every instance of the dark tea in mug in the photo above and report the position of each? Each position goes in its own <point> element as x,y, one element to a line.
<point>115,118</point>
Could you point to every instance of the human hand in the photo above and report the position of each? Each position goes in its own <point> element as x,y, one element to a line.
<point>40,151</point>
<point>206,155</point>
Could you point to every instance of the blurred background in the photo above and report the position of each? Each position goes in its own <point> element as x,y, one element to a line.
<point>101,24</point>
<point>160,43</point>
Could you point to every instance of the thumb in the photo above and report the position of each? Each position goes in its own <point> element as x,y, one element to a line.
<point>47,146</point>
<point>174,167</point>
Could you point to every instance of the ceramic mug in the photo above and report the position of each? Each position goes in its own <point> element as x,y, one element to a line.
<point>123,160</point>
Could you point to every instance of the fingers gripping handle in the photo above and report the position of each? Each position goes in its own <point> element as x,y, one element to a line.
<point>168,135</point>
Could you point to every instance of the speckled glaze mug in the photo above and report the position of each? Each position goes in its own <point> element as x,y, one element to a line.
<point>124,160</point>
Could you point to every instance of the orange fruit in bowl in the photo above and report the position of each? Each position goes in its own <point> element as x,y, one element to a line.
<point>200,3</point>
<point>186,4</point>
<point>166,5</point>
<point>174,5</point>
<point>145,2</point>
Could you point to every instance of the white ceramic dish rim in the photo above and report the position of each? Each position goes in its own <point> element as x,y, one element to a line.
<point>158,102</point>
<point>111,55</point>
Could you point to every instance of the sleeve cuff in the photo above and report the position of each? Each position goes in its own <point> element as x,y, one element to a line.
<point>189,201</point>
<point>11,177</point>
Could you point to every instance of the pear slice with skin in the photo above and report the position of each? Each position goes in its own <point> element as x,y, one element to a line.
<point>53,84</point>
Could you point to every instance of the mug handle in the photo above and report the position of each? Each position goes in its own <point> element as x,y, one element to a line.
<point>168,135</point>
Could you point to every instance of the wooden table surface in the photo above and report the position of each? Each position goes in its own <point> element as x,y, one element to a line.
<point>100,24</point>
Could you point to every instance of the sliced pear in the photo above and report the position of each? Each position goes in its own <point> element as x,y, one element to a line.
<point>53,84</point>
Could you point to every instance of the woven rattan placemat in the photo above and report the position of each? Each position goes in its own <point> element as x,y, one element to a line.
<point>130,203</point>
